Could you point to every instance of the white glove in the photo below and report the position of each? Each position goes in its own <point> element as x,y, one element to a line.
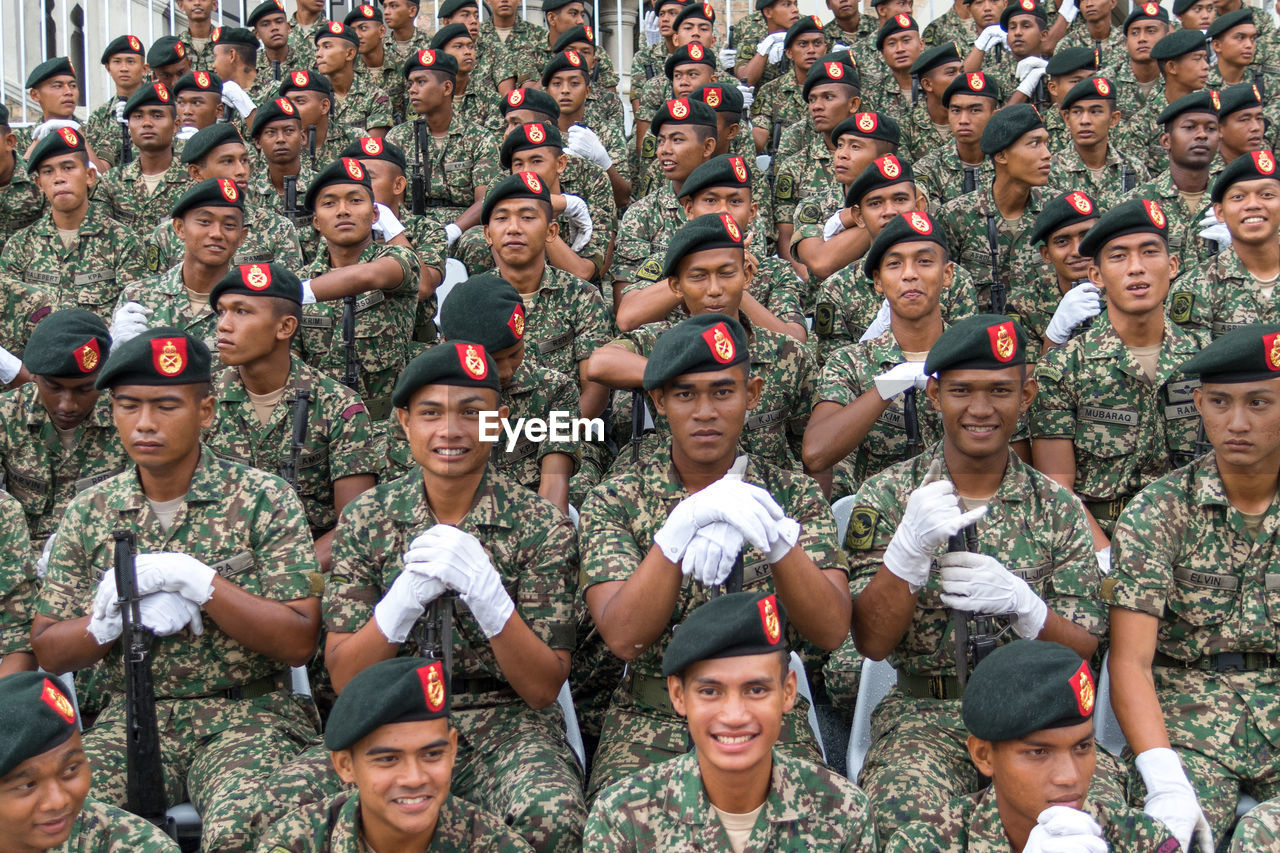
<point>833,226</point>
<point>772,46</point>
<point>104,618</point>
<point>879,324</point>
<point>711,554</point>
<point>1213,228</point>
<point>977,583</point>
<point>1068,10</point>
<point>387,224</point>
<point>42,562</point>
<point>120,110</point>
<point>990,37</point>
<point>649,25</point>
<point>580,227</point>
<point>10,366</point>
<point>897,379</point>
<point>165,613</point>
<point>728,500</point>
<point>46,127</point>
<point>1031,71</point>
<point>748,96</point>
<point>1077,305</point>
<point>1171,799</point>
<point>237,98</point>
<point>410,593</point>
<point>157,574</point>
<point>129,321</point>
<point>584,143</point>
<point>308,295</point>
<point>186,132</point>
<point>931,516</point>
<point>459,561</point>
<point>180,573</point>
<point>451,234</point>
<point>728,58</point>
<point>1060,829</point>
<point>1104,560</point>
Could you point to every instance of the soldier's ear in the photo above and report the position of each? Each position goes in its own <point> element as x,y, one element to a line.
<point>789,690</point>
<point>344,765</point>
<point>675,687</point>
<point>982,753</point>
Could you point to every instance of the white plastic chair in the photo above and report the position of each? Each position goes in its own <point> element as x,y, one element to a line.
<point>572,733</point>
<point>842,510</point>
<point>802,687</point>
<point>455,272</point>
<point>573,516</point>
<point>301,683</point>
<point>878,678</point>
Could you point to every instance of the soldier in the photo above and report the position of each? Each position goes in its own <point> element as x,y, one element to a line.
<point>404,39</point>
<point>527,106</point>
<point>197,101</point>
<point>307,20</point>
<point>767,30</point>
<point>312,95</point>
<point>277,136</point>
<point>1096,32</point>
<point>567,80</point>
<point>1066,68</point>
<point>1092,163</point>
<point>375,63</point>
<point>1243,123</point>
<point>955,24</point>
<point>900,46</point>
<point>54,88</point>
<point>926,127</point>
<point>971,99</point>
<point>726,671</point>
<point>1062,302</point>
<point>20,198</point>
<point>988,229</point>
<point>1112,413</point>
<point>197,37</point>
<point>1036,579</point>
<point>1037,699</point>
<point>472,105</point>
<point>1233,38</point>
<point>515,33</point>
<point>19,582</point>
<point>125,61</point>
<point>1137,77</point>
<point>1195,14</point>
<point>271,26</point>
<point>358,106</point>
<point>603,106</point>
<point>235,60</point>
<point>392,740</point>
<point>139,194</point>
<point>856,32</point>
<point>46,777</point>
<point>1182,58</point>
<point>72,255</point>
<point>778,103</point>
<point>324,447</point>
<point>167,58</point>
<point>212,537</point>
<point>647,62</point>
<point>495,69</point>
<point>561,17</point>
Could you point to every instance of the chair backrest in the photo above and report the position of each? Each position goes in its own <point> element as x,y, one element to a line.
<point>802,687</point>
<point>572,733</point>
<point>1106,728</point>
<point>878,678</point>
<point>842,509</point>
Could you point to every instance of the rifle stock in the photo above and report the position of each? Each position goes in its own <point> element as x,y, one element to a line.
<point>298,442</point>
<point>351,372</point>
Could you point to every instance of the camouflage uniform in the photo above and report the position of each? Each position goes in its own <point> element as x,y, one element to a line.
<point>166,295</point>
<point>21,201</point>
<point>202,57</point>
<point>965,221</point>
<point>1068,172</point>
<point>648,63</point>
<point>1036,528</point>
<point>648,174</point>
<point>267,83</point>
<point>802,172</point>
<point>493,65</point>
<point>1109,51</point>
<point>364,106</point>
<point>1181,553</point>
<point>302,41</point>
<point>619,520</point>
<point>384,327</point>
<point>389,78</point>
<point>126,199</point>
<point>1126,430</point>
<point>337,137</point>
<point>1218,294</point>
<point>887,97</point>
<point>100,828</point>
<point>250,527</point>
<point>920,137</point>
<point>270,238</point>
<point>263,193</point>
<point>455,167</point>
<point>334,827</point>
<point>646,228</point>
<point>1259,829</point>
<point>396,55</point>
<point>949,26</point>
<point>524,36</point>
<point>17,579</point>
<point>862,45</point>
<point>971,824</point>
<point>778,102</point>
<point>426,235</point>
<point>1130,98</point>
<point>565,322</point>
<point>1139,134</point>
<point>478,110</point>
<point>941,176</point>
<point>1184,224</point>
<point>665,807</point>
<point>747,33</point>
<point>104,133</point>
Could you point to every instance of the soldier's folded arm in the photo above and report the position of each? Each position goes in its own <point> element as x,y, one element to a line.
<point>835,431</point>
<point>380,274</point>
<point>283,630</point>
<point>616,366</point>
<point>648,303</point>
<point>826,257</point>
<point>1133,697</point>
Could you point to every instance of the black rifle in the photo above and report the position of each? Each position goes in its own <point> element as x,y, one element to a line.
<point>731,584</point>
<point>417,178</point>
<point>1087,323</point>
<point>433,635</point>
<point>911,422</point>
<point>275,70</point>
<point>311,143</point>
<point>1040,96</point>
<point>144,774</point>
<point>301,410</point>
<point>351,373</point>
<point>775,137</point>
<point>126,145</point>
<point>638,410</point>
<point>969,182</point>
<point>972,644</point>
<point>291,196</point>
<point>998,288</point>
<point>1128,178</point>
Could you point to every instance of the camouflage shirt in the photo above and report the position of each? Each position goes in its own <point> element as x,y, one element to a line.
<point>941,175</point>
<point>364,106</point>
<point>127,200</point>
<point>167,296</point>
<point>804,172</point>
<point>494,63</point>
<point>389,78</point>
<point>102,828</point>
<point>270,238</point>
<point>1130,97</point>
<point>524,37</point>
<point>748,31</point>
<point>920,137</point>
<point>565,322</point>
<point>17,579</point>
<point>21,201</point>
<point>1109,50</point>
<point>201,57</point>
<point>646,228</point>
<point>1183,224</point>
<point>1106,186</point>
<point>337,137</point>
<point>267,82</point>
<point>778,102</point>
<point>302,41</point>
<point>105,134</point>
<point>949,26</point>
<point>967,220</point>
<point>453,167</point>
<point>648,63</point>
<point>263,193</point>
<point>398,54</point>
<point>1218,295</point>
<point>861,44</point>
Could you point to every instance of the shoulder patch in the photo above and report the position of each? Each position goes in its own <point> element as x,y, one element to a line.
<point>1180,304</point>
<point>1108,591</point>
<point>351,411</point>
<point>650,270</point>
<point>649,148</point>
<point>808,214</point>
<point>153,258</point>
<point>824,316</point>
<point>862,528</point>
<point>785,187</point>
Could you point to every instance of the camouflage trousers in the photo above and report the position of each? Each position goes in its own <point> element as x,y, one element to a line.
<point>1258,830</point>
<point>636,736</point>
<point>919,760</point>
<point>841,674</point>
<point>595,461</point>
<point>212,750</point>
<point>512,761</point>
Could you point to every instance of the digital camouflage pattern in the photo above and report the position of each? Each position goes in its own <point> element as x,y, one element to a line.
<point>801,173</point>
<point>965,219</point>
<point>1110,50</point>
<point>454,169</point>
<point>389,78</point>
<point>1139,134</point>
<point>477,109</point>
<point>201,56</point>
<point>364,106</point>
<point>494,64</point>
<point>1130,97</point>
<point>778,102</point>
<point>524,37</point>
<point>302,41</point>
<point>21,201</point>
<point>18,583</point>
<point>101,828</point>
<point>397,54</point>
<point>861,44</point>
<point>104,133</point>
<point>1217,295</point>
<point>887,97</point>
<point>269,238</point>
<point>920,137</point>
<point>1106,187</point>
<point>941,176</point>
<point>648,62</point>
<point>337,137</point>
<point>263,193</point>
<point>127,201</point>
<point>948,26</point>
<point>267,82</point>
<point>1259,829</point>
<point>167,296</point>
<point>565,322</point>
<point>1183,224</point>
<point>666,807</point>
<point>426,235</point>
<point>747,33</point>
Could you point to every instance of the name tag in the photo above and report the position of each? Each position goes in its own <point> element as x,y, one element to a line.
<point>259,258</point>
<point>754,573</point>
<point>559,342</point>
<point>33,277</point>
<point>1181,392</point>
<point>315,457</point>
<point>1180,410</point>
<point>1099,415</point>
<point>1208,580</point>
<point>316,321</point>
<point>31,484</point>
<point>1223,328</point>
<point>369,300</point>
<point>1033,574</point>
<point>94,277</point>
<point>522,451</point>
<point>85,482</point>
<point>234,565</point>
<point>1272,580</point>
<point>890,418</point>
<point>301,220</point>
<point>456,166</point>
<point>763,420</point>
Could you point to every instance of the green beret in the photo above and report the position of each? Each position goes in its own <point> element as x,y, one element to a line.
<point>1027,686</point>
<point>270,7</point>
<point>692,53</point>
<point>376,148</point>
<point>701,11</point>
<point>36,716</point>
<point>124,44</point>
<point>1247,167</point>
<point>914,227</point>
<point>1072,59</point>
<point>827,71</point>
<point>1247,354</point>
<point>699,344</point>
<point>166,50</point>
<point>208,138</point>
<point>565,60</point>
<point>721,97</point>
<point>486,309</point>
<point>530,99</point>
<point>761,5</point>
<point>160,356</point>
<point>1146,12</point>
<point>59,65</point>
<point>65,140</point>
<point>941,54</point>
<point>448,33</point>
<point>454,363</point>
<point>806,24</point>
<point>707,232</point>
<point>1200,101</point>
<point>213,192</point>
<point>277,109</point>
<point>881,172</point>
<point>1135,216</point>
<point>869,125</point>
<point>431,60</point>
<point>722,170</point>
<point>365,12</point>
<point>198,81</point>
<point>1230,20</point>
<point>1007,126</point>
<point>521,185</point>
<point>68,343</point>
<point>1022,7</point>
<point>1241,96</point>
<point>337,30</point>
<point>683,111</point>
<point>1179,43</point>
<point>978,342</point>
<point>659,5</point>
<point>1089,89</point>
<point>1181,7</point>
<point>344,170</point>
<point>148,94</point>
<point>1062,211</point>
<point>553,5</point>
<point>731,626</point>
<point>972,83</point>
<point>449,8</point>
<point>236,35</point>
<point>581,34</point>
<point>257,280</point>
<point>305,81</point>
<point>399,690</point>
<point>896,24</point>
<point>538,135</point>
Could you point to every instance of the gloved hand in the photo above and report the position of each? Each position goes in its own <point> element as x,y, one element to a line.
<point>459,561</point>
<point>186,132</point>
<point>772,46</point>
<point>931,516</point>
<point>1077,305</point>
<point>990,37</point>
<point>580,227</point>
<point>120,102</point>
<point>897,379</point>
<point>1171,799</point>
<point>104,618</point>
<point>584,143</point>
<point>44,128</point>
<point>833,226</point>
<point>410,593</point>
<point>649,25</point>
<point>165,613</point>
<point>783,533</point>
<point>129,321</point>
<point>879,324</point>
<point>387,224</point>
<point>308,295</point>
<point>10,366</point>
<point>1068,10</point>
<point>728,58</point>
<point>237,98</point>
<point>1031,71</point>
<point>748,97</point>
<point>1060,829</point>
<point>180,573</point>
<point>728,500</point>
<point>451,234</point>
<point>1104,560</point>
<point>1213,228</point>
<point>977,583</point>
<point>42,562</point>
<point>711,554</point>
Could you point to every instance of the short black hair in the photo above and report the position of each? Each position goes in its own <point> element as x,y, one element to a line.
<point>248,54</point>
